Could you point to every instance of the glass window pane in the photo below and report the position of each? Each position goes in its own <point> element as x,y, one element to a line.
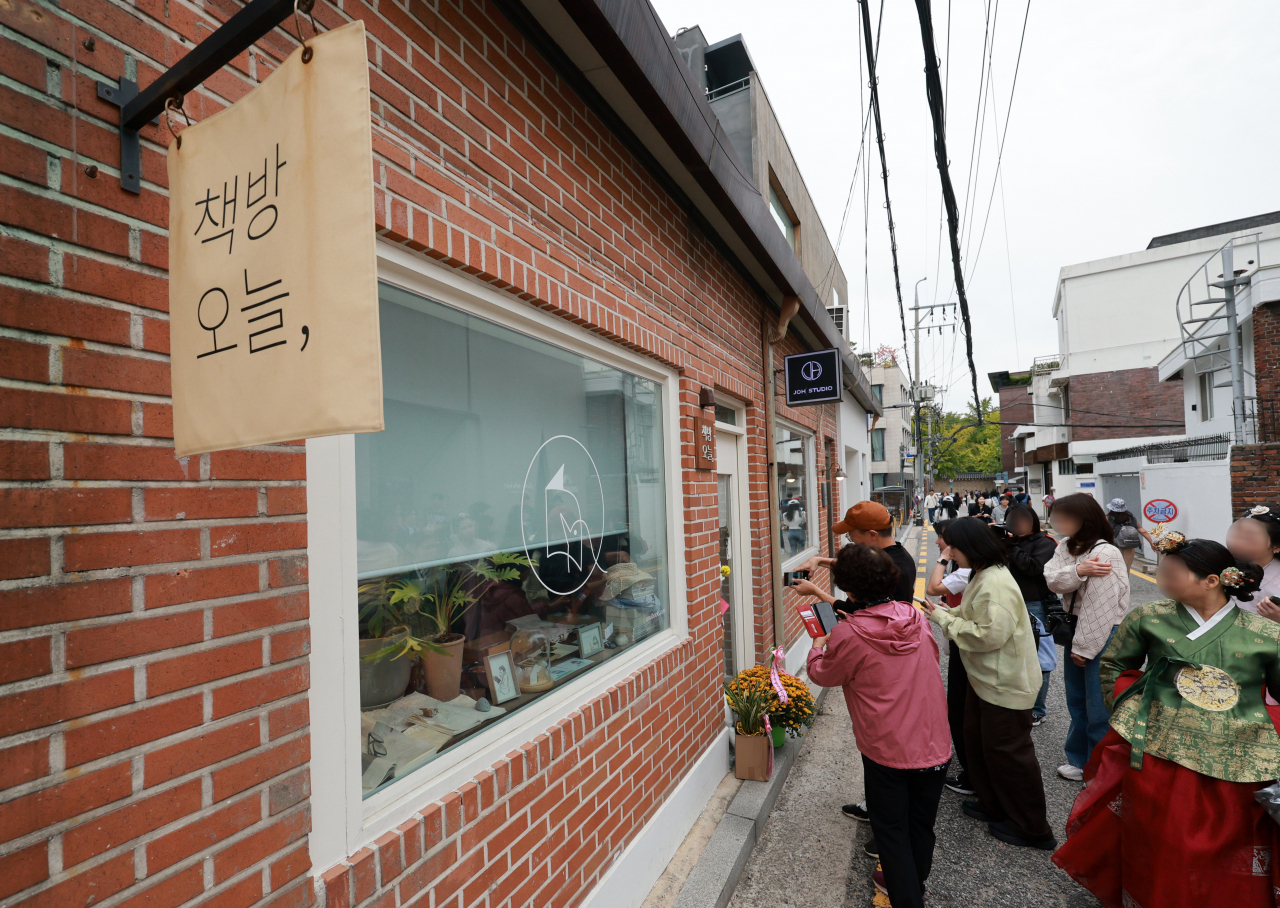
<point>878,392</point>
<point>877,444</point>
<point>726,415</point>
<point>794,507</point>
<point>511,528</point>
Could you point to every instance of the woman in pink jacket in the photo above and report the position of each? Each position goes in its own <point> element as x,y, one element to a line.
<point>884,656</point>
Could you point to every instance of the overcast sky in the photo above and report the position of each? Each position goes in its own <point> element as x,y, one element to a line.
<point>1130,120</point>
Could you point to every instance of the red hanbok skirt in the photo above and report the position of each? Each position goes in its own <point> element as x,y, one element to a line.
<point>1168,837</point>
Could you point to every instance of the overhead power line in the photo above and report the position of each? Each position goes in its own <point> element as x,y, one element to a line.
<point>933,88</point>
<point>884,174</point>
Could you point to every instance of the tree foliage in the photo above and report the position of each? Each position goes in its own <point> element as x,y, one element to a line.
<point>975,449</point>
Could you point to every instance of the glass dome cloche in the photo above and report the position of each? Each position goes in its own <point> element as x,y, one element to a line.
<point>531,651</point>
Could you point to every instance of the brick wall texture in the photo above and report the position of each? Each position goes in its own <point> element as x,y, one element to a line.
<point>1117,398</point>
<point>154,641</point>
<point>1255,469</point>
<point>1016,408</point>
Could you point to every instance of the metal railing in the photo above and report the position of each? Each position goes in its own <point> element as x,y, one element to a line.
<point>1043,365</point>
<point>728,89</point>
<point>1186,450</point>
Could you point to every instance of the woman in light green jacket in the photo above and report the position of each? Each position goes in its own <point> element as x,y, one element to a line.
<point>993,631</point>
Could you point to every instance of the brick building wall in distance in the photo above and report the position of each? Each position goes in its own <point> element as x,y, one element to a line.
<point>1016,408</point>
<point>1255,469</point>
<point>1133,403</point>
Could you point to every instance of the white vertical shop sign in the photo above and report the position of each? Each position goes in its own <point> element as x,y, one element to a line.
<point>273,289</point>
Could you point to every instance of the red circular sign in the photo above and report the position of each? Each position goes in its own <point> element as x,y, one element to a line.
<point>1160,510</point>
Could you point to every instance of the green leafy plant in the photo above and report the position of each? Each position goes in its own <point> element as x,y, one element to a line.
<point>438,599</point>
<point>751,704</point>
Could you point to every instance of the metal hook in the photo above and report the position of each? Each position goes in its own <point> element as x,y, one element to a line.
<point>170,106</point>
<point>307,6</point>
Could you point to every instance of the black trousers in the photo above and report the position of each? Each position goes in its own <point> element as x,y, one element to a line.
<point>957,694</point>
<point>1003,768</point>
<point>903,804</point>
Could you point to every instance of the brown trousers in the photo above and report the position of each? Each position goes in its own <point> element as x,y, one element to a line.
<point>1003,767</point>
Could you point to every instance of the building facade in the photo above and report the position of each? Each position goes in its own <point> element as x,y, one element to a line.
<point>1143,410</point>
<point>892,444</point>
<point>573,278</point>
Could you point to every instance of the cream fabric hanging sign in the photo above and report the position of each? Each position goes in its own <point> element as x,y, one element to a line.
<point>273,291</point>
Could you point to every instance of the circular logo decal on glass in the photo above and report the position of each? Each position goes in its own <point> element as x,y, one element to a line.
<point>1208,687</point>
<point>562,514</point>
<point>811,371</point>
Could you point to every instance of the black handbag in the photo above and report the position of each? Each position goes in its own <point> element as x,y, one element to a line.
<point>1062,624</point>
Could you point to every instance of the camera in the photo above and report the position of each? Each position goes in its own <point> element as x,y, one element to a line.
<point>789,578</point>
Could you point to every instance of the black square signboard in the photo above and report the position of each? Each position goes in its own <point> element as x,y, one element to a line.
<point>812,378</point>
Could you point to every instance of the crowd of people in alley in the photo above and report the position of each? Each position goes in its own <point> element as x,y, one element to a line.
<point>1173,704</point>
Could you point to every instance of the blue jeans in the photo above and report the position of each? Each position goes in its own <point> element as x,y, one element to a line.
<point>1041,709</point>
<point>1089,716</point>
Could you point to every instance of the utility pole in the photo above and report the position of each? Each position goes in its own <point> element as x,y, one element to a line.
<point>920,390</point>
<point>916,390</point>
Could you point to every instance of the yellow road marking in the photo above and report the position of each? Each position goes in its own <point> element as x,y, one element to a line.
<point>1142,575</point>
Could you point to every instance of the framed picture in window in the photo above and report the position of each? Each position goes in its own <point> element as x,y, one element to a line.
<point>502,677</point>
<point>590,640</point>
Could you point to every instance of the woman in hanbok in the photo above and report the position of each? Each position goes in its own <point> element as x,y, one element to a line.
<point>1168,818</point>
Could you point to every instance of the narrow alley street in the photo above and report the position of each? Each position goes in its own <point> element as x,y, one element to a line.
<point>811,856</point>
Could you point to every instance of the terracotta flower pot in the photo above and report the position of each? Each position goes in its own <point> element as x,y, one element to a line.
<point>753,757</point>
<point>444,671</point>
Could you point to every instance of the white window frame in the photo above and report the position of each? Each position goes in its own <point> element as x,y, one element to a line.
<point>342,821</point>
<point>745,628</point>
<point>812,500</point>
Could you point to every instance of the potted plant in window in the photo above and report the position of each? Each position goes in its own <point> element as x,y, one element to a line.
<point>383,632</point>
<point>436,599</point>
<point>753,744</point>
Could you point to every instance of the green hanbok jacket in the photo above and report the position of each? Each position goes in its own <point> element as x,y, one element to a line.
<point>1199,703</point>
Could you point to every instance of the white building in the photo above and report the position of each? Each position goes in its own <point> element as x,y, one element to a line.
<point>1137,402</point>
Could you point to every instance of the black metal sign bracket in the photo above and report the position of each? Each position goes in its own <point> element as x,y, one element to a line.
<point>138,108</point>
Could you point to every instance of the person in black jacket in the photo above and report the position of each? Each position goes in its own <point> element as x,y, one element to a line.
<point>1029,549</point>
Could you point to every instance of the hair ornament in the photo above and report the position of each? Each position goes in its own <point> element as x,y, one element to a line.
<point>1232,577</point>
<point>1166,541</point>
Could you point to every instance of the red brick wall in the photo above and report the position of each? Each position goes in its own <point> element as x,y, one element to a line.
<point>1016,409</point>
<point>153,611</point>
<point>1266,366</point>
<point>1121,398</point>
<point>1255,476</point>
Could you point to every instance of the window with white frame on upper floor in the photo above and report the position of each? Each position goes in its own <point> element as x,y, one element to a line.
<point>1205,384</point>
<point>877,445</point>
<point>797,509</point>
<point>511,530</point>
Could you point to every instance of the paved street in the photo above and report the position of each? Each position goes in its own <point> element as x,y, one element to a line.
<point>810,855</point>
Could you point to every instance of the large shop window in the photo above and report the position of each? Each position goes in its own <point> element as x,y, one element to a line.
<point>511,525</point>
<point>796,514</point>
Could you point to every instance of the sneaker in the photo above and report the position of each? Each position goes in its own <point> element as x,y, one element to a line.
<point>1037,721</point>
<point>878,879</point>
<point>971,809</point>
<point>1071,773</point>
<point>871,849</point>
<point>960,784</point>
<point>857,811</point>
<point>1004,833</point>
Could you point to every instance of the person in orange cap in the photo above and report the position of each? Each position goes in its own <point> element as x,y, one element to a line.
<point>869,523</point>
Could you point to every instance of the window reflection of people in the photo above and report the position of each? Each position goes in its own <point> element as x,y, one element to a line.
<point>465,541</point>
<point>793,521</point>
